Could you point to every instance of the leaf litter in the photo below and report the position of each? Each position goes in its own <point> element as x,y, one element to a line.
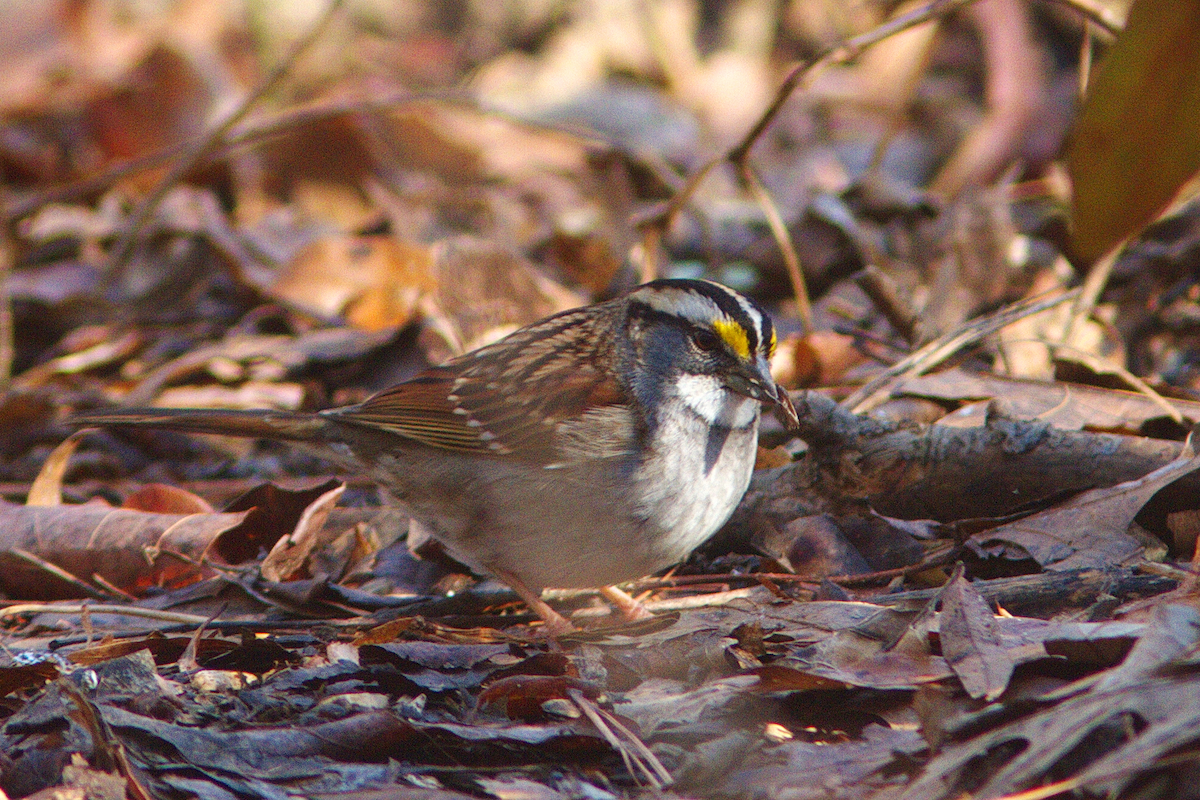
<point>994,567</point>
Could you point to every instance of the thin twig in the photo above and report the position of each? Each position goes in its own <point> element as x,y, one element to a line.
<point>839,54</point>
<point>664,218</point>
<point>99,608</point>
<point>783,238</point>
<point>876,390</point>
<point>1086,53</point>
<point>198,150</point>
<point>7,346</point>
<point>1093,287</point>
<point>58,573</point>
<point>245,133</point>
<point>843,53</point>
<point>112,589</point>
<point>187,661</point>
<point>651,244</point>
<point>937,558</point>
<point>708,600</point>
<point>638,758</point>
<point>25,203</point>
<point>882,290</point>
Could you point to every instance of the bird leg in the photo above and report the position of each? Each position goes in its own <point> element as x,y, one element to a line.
<point>630,609</point>
<point>556,623</point>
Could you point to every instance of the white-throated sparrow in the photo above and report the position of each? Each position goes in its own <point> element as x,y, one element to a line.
<point>598,445</point>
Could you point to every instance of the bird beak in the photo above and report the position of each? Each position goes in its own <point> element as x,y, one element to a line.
<point>785,412</point>
<point>756,382</point>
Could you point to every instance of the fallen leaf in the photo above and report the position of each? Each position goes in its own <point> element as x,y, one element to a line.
<point>1101,736</point>
<point>1089,530</point>
<point>1070,406</point>
<point>128,549</point>
<point>1137,139</point>
<point>159,498</point>
<point>291,552</point>
<point>46,490</point>
<point>971,641</point>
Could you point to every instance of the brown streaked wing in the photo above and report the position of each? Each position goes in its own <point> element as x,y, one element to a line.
<point>529,429</point>
<point>508,397</point>
<point>521,388</point>
<point>419,409</point>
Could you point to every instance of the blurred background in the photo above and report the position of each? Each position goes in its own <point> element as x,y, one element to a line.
<point>264,203</point>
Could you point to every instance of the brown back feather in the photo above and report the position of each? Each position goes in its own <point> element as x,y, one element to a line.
<point>507,398</point>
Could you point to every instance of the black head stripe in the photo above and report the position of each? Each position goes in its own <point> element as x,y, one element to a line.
<point>694,300</point>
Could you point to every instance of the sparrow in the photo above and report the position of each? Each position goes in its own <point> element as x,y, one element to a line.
<point>592,447</point>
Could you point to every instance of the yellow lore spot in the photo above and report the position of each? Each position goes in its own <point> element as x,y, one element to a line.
<point>734,335</point>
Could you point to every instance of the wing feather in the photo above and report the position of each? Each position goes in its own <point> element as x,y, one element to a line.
<point>526,396</point>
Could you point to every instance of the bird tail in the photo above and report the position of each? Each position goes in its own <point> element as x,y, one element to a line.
<point>257,424</point>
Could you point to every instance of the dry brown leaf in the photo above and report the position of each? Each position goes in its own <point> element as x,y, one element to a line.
<point>1091,529</point>
<point>341,204</point>
<point>46,490</point>
<point>251,394</point>
<point>274,513</point>
<point>820,359</point>
<point>855,644</point>
<point>261,354</point>
<point>159,498</point>
<point>129,549</point>
<point>484,291</point>
<point>15,678</point>
<point>659,705</point>
<point>1136,142</point>
<point>1070,406</point>
<point>376,282</point>
<point>971,641</point>
<point>1123,728</point>
<point>291,553</point>
<point>850,768</point>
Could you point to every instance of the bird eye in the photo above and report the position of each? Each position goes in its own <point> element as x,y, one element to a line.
<point>706,340</point>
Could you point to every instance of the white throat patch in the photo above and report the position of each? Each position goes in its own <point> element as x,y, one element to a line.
<point>715,404</point>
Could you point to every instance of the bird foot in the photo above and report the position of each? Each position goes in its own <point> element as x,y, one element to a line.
<point>627,606</point>
<point>555,623</point>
